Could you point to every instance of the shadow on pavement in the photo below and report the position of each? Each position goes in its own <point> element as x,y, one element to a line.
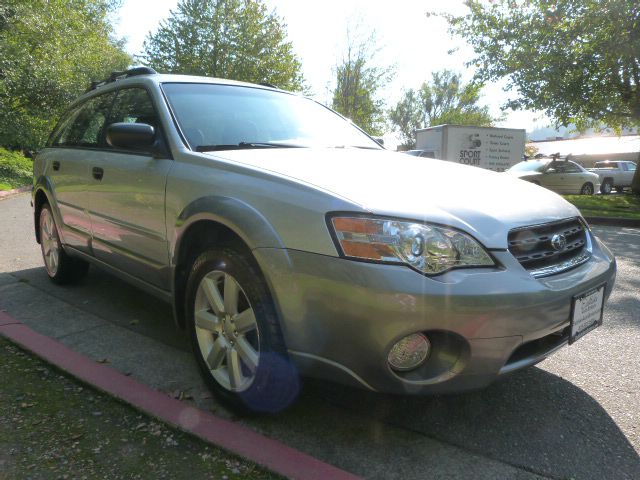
<point>616,237</point>
<point>533,419</point>
<point>113,300</point>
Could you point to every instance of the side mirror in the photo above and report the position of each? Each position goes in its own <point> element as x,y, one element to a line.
<point>379,141</point>
<point>131,136</point>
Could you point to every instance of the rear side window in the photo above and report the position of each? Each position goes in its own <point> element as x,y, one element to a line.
<point>632,167</point>
<point>84,126</point>
<point>133,105</point>
<point>571,167</point>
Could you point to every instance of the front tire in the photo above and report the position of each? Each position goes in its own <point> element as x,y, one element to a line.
<point>606,187</point>
<point>587,189</point>
<point>61,268</point>
<point>236,336</point>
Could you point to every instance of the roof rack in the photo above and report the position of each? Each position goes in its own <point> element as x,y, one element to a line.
<point>132,72</point>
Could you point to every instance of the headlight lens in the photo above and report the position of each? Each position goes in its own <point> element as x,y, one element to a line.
<point>430,249</point>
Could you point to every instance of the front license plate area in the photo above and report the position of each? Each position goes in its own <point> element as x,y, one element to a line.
<point>586,312</point>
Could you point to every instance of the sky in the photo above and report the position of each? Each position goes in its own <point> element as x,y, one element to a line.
<point>415,44</point>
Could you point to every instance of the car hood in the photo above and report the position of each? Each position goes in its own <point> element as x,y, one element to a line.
<point>484,203</point>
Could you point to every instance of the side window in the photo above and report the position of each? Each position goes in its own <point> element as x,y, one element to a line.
<point>571,167</point>
<point>632,167</point>
<point>86,124</point>
<point>555,167</point>
<point>63,126</point>
<point>133,105</point>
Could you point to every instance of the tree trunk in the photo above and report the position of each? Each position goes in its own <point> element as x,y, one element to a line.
<point>635,183</point>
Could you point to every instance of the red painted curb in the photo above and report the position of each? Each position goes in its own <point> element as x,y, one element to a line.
<point>15,191</point>
<point>230,436</point>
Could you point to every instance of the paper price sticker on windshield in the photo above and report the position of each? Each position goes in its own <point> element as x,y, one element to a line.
<point>587,312</point>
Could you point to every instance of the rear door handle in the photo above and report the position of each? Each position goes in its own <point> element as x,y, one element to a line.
<point>56,165</point>
<point>97,173</point>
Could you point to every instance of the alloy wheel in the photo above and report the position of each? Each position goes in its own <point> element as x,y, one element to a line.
<point>227,331</point>
<point>49,242</point>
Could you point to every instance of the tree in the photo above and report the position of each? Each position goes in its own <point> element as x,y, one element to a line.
<point>444,100</point>
<point>358,82</point>
<point>578,60</point>
<point>235,39</point>
<point>49,53</point>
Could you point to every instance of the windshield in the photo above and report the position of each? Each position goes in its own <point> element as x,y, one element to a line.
<point>530,166</point>
<point>227,117</point>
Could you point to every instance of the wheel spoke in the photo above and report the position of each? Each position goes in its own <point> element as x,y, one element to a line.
<point>247,354</point>
<point>207,321</point>
<point>217,353</point>
<point>213,296</point>
<point>231,293</point>
<point>46,227</point>
<point>54,258</point>
<point>234,368</point>
<point>245,321</point>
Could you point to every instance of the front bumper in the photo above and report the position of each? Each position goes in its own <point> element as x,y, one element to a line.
<point>341,317</point>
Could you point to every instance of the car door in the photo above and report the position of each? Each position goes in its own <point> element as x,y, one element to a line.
<point>627,173</point>
<point>75,144</point>
<point>574,177</point>
<point>553,177</point>
<point>128,198</point>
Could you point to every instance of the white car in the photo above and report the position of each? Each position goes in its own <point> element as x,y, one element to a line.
<point>561,176</point>
<point>421,153</point>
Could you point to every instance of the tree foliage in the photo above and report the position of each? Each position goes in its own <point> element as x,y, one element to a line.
<point>235,39</point>
<point>577,60</point>
<point>358,82</point>
<point>49,53</point>
<point>446,99</point>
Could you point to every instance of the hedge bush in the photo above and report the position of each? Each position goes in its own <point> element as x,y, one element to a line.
<point>16,170</point>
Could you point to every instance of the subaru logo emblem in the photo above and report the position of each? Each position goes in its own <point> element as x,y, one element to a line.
<point>558,242</point>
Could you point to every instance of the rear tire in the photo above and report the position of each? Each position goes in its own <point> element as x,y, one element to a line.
<point>606,187</point>
<point>236,336</point>
<point>61,268</point>
<point>619,189</point>
<point>587,189</point>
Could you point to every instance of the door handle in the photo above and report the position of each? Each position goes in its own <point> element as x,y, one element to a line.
<point>56,165</point>
<point>97,173</point>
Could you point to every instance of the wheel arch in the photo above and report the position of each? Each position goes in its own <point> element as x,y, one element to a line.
<point>216,222</point>
<point>41,195</point>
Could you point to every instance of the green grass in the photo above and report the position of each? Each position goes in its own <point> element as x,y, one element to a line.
<point>618,205</point>
<point>16,170</point>
<point>51,426</point>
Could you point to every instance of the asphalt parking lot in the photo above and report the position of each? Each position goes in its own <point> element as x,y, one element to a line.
<point>575,415</point>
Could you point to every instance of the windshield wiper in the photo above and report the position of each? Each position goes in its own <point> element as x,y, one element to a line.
<point>362,147</point>
<point>245,145</point>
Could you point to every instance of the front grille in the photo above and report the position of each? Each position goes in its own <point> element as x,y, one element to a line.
<point>550,248</point>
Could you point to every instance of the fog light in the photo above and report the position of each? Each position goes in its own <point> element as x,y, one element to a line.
<point>409,353</point>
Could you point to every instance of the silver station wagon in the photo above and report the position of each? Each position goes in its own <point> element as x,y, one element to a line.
<point>291,244</point>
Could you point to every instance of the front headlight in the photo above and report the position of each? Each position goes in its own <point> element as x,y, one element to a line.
<point>431,249</point>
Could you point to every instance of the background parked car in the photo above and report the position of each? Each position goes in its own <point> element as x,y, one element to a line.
<point>616,175</point>
<point>561,176</point>
<point>421,153</point>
